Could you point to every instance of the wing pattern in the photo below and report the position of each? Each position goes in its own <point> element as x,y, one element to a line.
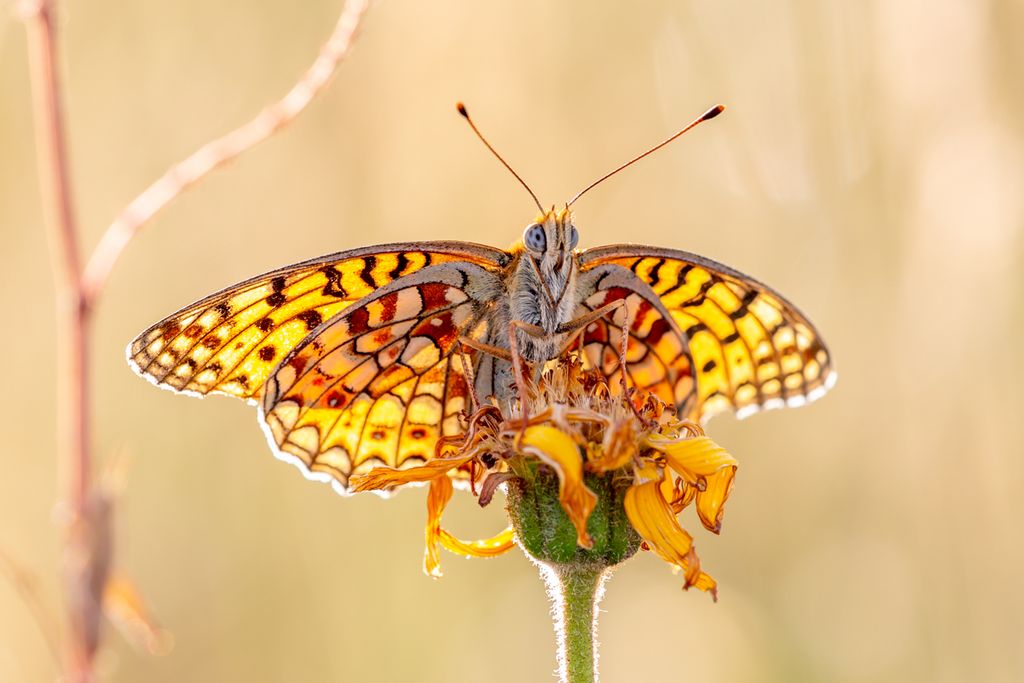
<point>231,341</point>
<point>379,384</point>
<point>751,349</point>
<point>656,358</point>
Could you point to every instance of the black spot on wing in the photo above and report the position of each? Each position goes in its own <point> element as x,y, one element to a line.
<point>366,274</point>
<point>333,286</point>
<point>312,319</point>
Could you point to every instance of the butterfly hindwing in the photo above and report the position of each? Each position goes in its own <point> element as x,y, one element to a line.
<point>656,358</point>
<point>231,341</point>
<point>750,348</point>
<point>379,384</point>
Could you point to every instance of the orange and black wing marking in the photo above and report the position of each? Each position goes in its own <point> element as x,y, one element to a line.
<point>379,384</point>
<point>656,358</point>
<point>231,341</point>
<point>750,348</point>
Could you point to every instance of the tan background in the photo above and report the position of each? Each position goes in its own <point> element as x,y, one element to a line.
<point>869,166</point>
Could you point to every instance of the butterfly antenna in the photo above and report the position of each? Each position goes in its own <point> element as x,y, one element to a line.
<point>709,114</point>
<point>465,114</point>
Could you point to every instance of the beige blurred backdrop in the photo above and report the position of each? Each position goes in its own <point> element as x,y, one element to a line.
<point>869,166</point>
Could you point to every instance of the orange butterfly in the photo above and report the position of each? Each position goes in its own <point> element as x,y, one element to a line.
<point>354,358</point>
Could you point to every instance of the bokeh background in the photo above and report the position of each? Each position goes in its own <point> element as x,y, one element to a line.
<point>869,166</point>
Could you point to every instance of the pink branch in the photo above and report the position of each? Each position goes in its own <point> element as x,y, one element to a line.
<point>63,237</point>
<point>87,548</point>
<point>218,152</point>
<point>73,441</point>
<point>51,147</point>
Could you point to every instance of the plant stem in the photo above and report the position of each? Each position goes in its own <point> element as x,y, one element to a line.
<point>222,150</point>
<point>73,439</point>
<point>575,591</point>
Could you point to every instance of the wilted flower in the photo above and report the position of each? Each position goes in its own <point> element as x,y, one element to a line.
<point>590,477</point>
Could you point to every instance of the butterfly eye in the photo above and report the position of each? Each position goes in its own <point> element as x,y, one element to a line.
<point>534,238</point>
<point>574,237</point>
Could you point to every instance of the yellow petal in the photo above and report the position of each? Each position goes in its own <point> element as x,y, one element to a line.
<point>388,477</point>
<point>701,463</point>
<point>617,448</point>
<point>678,493</point>
<point>654,520</point>
<point>488,547</point>
<point>437,499</point>
<point>694,457</point>
<point>558,450</point>
<point>711,501</point>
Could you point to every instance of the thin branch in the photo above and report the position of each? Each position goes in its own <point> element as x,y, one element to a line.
<point>51,147</point>
<point>73,439</point>
<point>216,153</point>
<point>63,237</point>
<point>86,544</point>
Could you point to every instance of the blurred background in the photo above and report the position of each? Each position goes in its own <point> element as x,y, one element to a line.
<point>869,166</point>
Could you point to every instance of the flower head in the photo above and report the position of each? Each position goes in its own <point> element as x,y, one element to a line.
<point>590,476</point>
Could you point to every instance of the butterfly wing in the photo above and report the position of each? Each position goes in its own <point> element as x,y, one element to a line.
<point>231,341</point>
<point>379,383</point>
<point>749,347</point>
<point>656,358</point>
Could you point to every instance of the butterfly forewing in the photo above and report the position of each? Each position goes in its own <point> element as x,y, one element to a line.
<point>750,348</point>
<point>230,342</point>
<point>379,384</point>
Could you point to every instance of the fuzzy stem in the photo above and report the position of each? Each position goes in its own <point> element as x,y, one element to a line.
<point>575,591</point>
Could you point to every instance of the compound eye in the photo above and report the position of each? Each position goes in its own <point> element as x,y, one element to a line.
<point>534,238</point>
<point>574,237</point>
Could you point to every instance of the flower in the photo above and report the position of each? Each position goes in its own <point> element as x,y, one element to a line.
<point>591,476</point>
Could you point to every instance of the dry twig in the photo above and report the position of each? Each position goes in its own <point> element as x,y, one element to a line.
<point>210,156</point>
<point>86,558</point>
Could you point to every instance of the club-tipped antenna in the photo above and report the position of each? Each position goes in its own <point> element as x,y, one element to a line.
<point>465,114</point>
<point>709,114</point>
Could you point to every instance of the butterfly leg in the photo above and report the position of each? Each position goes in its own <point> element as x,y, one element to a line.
<point>536,332</point>
<point>467,368</point>
<point>574,328</point>
<point>489,349</point>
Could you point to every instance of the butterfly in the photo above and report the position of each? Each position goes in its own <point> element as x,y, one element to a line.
<point>369,357</point>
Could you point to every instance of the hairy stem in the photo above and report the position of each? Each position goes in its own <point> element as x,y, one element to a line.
<point>575,591</point>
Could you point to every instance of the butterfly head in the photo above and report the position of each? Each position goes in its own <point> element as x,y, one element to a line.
<point>549,243</point>
<point>550,240</point>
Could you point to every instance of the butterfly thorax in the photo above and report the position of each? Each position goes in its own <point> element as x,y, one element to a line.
<point>542,284</point>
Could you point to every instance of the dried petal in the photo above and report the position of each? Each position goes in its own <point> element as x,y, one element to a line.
<point>437,499</point>
<point>682,494</point>
<point>557,449</point>
<point>654,520</point>
<point>488,547</point>
<point>702,463</point>
<point>388,477</point>
<point>617,448</point>
<point>490,486</point>
<point>711,501</point>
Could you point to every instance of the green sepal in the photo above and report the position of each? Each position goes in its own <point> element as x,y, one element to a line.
<point>546,532</point>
